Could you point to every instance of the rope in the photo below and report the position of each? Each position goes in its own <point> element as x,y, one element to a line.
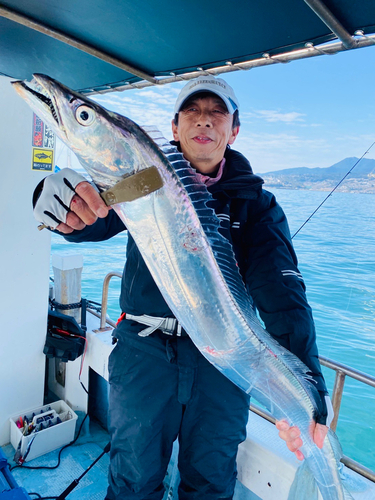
<point>76,305</point>
<point>65,307</point>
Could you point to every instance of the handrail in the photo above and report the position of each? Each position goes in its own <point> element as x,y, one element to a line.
<point>349,462</point>
<point>351,372</point>
<point>103,315</point>
<point>342,371</point>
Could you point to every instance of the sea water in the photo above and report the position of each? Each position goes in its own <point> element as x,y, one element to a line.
<point>336,252</point>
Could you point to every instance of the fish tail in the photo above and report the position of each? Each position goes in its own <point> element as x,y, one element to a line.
<point>306,487</point>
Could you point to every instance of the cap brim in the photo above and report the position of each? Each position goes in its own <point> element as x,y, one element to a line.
<point>231,106</point>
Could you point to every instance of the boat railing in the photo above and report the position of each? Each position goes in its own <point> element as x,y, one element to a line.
<point>342,371</point>
<point>103,315</point>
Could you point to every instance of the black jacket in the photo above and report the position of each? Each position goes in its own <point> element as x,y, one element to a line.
<point>258,230</point>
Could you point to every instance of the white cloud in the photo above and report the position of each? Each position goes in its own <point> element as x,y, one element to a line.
<point>273,116</point>
<point>263,138</point>
<point>145,107</point>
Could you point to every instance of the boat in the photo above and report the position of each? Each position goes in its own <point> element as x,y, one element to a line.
<point>98,48</point>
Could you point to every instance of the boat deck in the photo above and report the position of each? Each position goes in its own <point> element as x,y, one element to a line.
<point>266,468</point>
<point>264,465</point>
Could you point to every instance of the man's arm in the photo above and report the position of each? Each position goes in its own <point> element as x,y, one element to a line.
<point>277,288</point>
<point>276,284</point>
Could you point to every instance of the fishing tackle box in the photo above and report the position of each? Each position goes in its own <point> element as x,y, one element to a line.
<point>48,439</point>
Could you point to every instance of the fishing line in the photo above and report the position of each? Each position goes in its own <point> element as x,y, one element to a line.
<point>334,189</point>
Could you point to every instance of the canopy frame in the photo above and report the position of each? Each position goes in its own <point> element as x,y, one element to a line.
<point>345,42</point>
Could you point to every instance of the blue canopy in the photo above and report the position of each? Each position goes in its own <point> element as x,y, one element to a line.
<point>93,45</point>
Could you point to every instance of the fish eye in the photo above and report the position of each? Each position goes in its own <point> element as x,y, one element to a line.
<point>85,115</point>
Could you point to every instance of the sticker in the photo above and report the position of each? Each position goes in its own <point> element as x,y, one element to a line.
<point>44,143</point>
<point>48,137</point>
<point>42,159</point>
<point>38,131</point>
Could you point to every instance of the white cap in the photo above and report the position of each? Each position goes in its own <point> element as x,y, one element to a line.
<point>208,83</point>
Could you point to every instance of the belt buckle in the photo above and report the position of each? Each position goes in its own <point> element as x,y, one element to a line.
<point>176,330</point>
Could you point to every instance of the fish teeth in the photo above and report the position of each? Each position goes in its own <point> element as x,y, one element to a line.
<point>38,88</point>
<point>54,114</point>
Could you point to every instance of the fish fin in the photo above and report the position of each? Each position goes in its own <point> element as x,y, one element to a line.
<point>304,486</point>
<point>222,249</point>
<point>199,197</point>
<point>225,258</point>
<point>351,482</point>
<point>335,444</point>
<point>154,133</point>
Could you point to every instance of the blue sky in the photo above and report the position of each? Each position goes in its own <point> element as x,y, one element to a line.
<point>307,113</point>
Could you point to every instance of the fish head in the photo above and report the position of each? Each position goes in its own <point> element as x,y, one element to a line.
<point>107,144</point>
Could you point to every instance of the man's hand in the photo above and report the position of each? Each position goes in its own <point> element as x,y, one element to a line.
<point>291,435</point>
<point>66,201</point>
<point>85,208</point>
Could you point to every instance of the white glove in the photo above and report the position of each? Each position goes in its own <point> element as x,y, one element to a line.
<point>52,197</point>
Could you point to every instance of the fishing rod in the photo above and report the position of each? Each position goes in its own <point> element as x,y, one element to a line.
<point>334,189</point>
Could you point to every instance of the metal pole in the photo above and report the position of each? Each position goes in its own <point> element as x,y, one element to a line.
<point>73,42</point>
<point>359,468</point>
<point>351,372</point>
<point>322,11</point>
<point>106,281</point>
<point>337,397</point>
<point>310,51</point>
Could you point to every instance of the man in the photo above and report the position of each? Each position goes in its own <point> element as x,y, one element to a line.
<point>162,388</point>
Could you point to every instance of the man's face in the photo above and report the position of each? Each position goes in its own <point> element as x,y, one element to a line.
<point>204,129</point>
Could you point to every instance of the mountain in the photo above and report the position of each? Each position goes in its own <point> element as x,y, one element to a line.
<point>361,179</point>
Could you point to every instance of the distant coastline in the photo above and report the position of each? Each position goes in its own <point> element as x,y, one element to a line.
<point>348,186</point>
<point>360,180</point>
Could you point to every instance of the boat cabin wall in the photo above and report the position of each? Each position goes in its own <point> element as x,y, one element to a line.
<point>24,265</point>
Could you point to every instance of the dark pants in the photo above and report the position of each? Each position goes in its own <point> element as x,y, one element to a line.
<point>162,388</point>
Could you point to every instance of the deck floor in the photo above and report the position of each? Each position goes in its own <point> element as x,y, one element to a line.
<point>76,459</point>
<point>93,438</point>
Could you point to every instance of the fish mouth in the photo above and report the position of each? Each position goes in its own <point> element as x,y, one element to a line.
<point>37,91</point>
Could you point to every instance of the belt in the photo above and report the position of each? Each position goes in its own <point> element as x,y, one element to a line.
<point>170,326</point>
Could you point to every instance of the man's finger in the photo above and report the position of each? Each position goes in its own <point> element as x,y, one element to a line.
<point>73,221</point>
<point>282,425</point>
<point>290,434</point>
<point>320,433</point>
<point>299,455</point>
<point>92,198</point>
<point>79,206</point>
<point>64,228</point>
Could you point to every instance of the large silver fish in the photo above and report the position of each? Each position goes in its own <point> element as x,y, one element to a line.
<point>192,264</point>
